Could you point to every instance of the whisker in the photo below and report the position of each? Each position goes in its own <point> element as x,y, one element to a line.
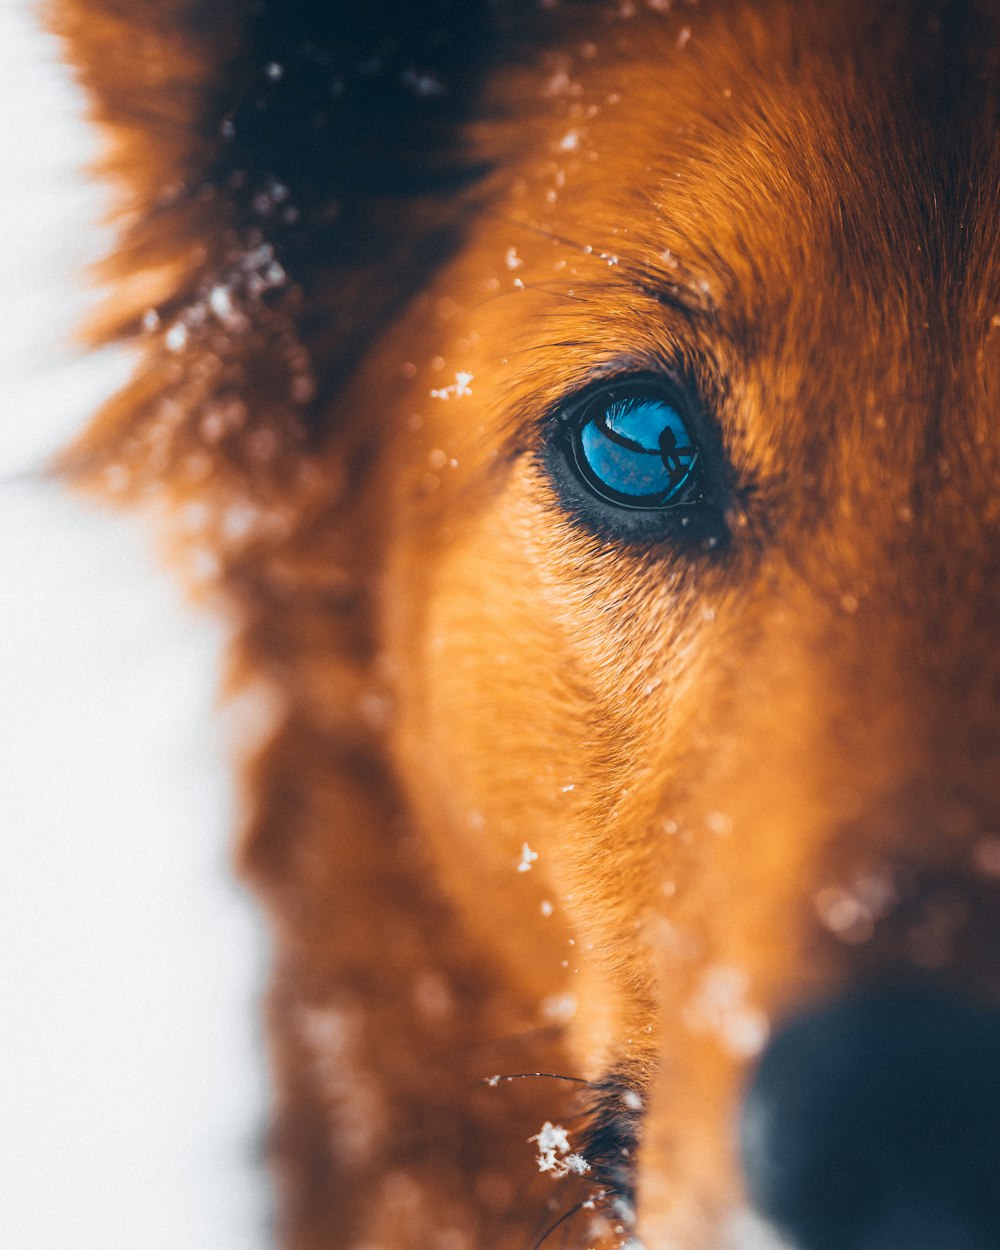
<point>546,289</point>
<point>494,1081</point>
<point>566,1215</point>
<point>585,249</point>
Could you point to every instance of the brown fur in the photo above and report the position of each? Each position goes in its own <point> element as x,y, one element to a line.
<point>769,766</point>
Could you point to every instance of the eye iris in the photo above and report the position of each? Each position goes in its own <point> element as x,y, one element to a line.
<point>635,450</point>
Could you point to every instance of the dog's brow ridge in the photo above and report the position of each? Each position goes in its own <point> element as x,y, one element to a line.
<point>689,297</point>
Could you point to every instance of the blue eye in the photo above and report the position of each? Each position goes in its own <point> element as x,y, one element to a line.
<point>632,447</point>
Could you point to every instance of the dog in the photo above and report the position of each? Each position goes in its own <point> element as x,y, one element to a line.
<point>585,414</point>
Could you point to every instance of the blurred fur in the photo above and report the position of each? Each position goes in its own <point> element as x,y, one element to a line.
<point>329,215</point>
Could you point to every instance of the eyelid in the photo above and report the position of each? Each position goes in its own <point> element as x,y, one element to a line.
<point>624,378</point>
<point>691,300</point>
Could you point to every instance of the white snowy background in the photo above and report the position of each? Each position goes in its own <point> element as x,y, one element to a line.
<point>131,1086</point>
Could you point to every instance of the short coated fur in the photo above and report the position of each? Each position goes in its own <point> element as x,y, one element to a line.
<point>369,257</point>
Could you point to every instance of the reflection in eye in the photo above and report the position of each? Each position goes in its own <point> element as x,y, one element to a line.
<point>633,448</point>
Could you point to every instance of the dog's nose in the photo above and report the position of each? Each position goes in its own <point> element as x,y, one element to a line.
<point>874,1124</point>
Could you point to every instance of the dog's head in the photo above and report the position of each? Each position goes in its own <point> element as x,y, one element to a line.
<point>592,409</point>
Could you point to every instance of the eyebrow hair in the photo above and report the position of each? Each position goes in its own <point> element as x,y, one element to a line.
<point>672,285</point>
<point>676,288</point>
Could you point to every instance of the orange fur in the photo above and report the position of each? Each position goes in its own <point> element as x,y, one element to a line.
<point>753,776</point>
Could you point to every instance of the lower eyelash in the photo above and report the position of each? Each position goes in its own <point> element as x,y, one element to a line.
<point>610,1141</point>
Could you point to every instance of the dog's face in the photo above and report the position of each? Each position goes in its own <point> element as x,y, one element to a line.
<point>748,725</point>
<point>677,528</point>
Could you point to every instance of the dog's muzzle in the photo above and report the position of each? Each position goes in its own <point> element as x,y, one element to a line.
<point>874,1124</point>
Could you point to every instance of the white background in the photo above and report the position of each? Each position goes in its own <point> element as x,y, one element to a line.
<point>131,1092</point>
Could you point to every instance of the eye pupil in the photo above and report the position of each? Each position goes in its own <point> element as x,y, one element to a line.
<point>632,447</point>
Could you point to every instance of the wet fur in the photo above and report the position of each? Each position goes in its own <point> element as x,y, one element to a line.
<point>450,665</point>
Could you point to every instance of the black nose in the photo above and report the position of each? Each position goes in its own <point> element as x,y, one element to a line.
<point>874,1124</point>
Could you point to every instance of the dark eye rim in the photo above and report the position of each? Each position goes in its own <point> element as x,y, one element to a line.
<point>694,515</point>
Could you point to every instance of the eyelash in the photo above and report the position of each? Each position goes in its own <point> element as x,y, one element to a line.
<point>610,1142</point>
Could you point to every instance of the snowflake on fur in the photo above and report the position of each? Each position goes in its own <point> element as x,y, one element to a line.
<point>554,1154</point>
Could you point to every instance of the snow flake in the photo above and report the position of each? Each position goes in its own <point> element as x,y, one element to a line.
<point>457,390</point>
<point>722,1007</point>
<point>220,301</point>
<point>229,298</point>
<point>720,823</point>
<point>554,1154</point>
<point>558,1008</point>
<point>423,85</point>
<point>176,337</point>
<point>528,857</point>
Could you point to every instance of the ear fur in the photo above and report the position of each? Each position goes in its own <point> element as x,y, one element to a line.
<point>288,175</point>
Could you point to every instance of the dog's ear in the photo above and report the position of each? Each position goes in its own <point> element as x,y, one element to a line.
<point>289,171</point>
